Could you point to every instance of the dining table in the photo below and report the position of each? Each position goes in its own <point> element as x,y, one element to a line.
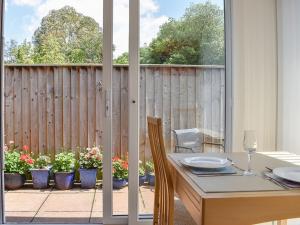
<point>234,199</point>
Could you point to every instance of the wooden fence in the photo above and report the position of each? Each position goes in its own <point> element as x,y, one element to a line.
<point>49,107</point>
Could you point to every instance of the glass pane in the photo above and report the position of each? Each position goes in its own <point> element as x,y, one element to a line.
<point>51,108</point>
<point>182,79</point>
<point>120,107</point>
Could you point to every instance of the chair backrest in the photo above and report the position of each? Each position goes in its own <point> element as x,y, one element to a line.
<point>164,191</point>
<point>189,138</point>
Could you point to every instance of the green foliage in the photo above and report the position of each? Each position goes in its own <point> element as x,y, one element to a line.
<point>149,167</point>
<point>122,59</point>
<point>73,38</point>
<point>16,161</point>
<point>64,36</point>
<point>196,38</point>
<point>64,162</point>
<point>120,168</point>
<point>90,158</point>
<point>49,52</point>
<point>42,162</point>
<point>141,169</point>
<point>19,54</point>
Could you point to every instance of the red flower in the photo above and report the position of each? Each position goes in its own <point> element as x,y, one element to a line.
<point>25,147</point>
<point>116,158</point>
<point>125,165</point>
<point>24,157</point>
<point>30,161</point>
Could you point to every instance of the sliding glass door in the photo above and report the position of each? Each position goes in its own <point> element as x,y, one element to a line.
<point>158,58</point>
<point>181,79</point>
<point>62,92</point>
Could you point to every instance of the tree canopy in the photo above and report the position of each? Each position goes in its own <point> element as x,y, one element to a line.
<point>196,38</point>
<point>66,36</point>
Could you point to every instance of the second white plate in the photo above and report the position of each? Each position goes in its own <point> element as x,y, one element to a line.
<point>288,173</point>
<point>206,162</point>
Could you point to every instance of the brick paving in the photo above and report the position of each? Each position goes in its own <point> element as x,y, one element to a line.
<point>71,206</point>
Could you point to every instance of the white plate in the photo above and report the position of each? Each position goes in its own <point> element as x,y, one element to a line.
<point>206,162</point>
<point>288,173</point>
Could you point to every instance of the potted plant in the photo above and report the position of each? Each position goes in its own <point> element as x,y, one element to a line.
<point>142,174</point>
<point>63,169</point>
<point>90,160</point>
<point>41,172</point>
<point>120,172</point>
<point>150,173</point>
<point>16,164</point>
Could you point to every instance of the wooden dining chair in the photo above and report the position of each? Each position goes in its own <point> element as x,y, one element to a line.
<point>164,191</point>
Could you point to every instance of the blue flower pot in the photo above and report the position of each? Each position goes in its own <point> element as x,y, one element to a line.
<point>64,180</point>
<point>142,179</point>
<point>40,178</point>
<point>13,181</point>
<point>119,183</point>
<point>151,179</point>
<point>88,178</point>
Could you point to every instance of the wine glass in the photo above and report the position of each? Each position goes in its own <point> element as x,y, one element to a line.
<point>250,146</point>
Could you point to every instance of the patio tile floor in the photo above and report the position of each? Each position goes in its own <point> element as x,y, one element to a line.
<point>71,206</point>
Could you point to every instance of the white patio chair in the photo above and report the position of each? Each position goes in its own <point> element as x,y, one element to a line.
<point>188,140</point>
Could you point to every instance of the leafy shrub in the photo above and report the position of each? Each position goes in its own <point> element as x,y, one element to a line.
<point>149,167</point>
<point>16,160</point>
<point>120,168</point>
<point>64,162</point>
<point>42,162</point>
<point>90,158</point>
<point>141,169</point>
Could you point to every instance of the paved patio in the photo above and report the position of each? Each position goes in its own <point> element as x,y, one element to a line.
<point>71,206</point>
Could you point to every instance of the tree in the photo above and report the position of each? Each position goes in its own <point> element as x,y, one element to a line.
<point>122,59</point>
<point>9,47</point>
<point>144,57</point>
<point>196,38</point>
<point>66,36</point>
<point>18,54</point>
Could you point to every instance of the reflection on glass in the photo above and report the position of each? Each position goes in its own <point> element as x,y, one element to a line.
<point>182,76</point>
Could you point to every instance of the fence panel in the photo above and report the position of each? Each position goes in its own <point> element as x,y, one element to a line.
<point>53,107</point>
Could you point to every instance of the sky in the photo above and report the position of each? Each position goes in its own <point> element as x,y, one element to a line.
<point>22,17</point>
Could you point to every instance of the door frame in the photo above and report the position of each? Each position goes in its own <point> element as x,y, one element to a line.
<point>108,217</point>
<point>134,70</point>
<point>2,203</point>
<point>134,78</point>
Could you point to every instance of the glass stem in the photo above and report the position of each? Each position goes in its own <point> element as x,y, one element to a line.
<point>249,162</point>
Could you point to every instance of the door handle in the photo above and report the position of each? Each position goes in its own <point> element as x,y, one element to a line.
<point>107,103</point>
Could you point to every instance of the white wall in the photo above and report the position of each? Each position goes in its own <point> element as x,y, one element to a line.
<point>254,71</point>
<point>289,75</point>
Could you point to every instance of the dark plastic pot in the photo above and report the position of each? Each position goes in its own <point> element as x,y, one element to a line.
<point>151,179</point>
<point>64,180</point>
<point>40,178</point>
<point>14,181</point>
<point>119,183</point>
<point>88,178</point>
<point>142,179</point>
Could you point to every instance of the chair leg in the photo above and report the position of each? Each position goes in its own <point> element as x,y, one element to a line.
<point>282,222</point>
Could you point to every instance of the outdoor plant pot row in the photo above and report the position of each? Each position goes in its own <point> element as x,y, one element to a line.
<point>65,180</point>
<point>19,162</point>
<point>41,178</point>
